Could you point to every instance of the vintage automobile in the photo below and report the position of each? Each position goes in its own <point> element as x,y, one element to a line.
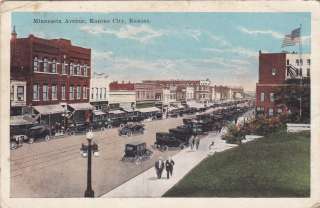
<point>39,131</point>
<point>79,128</point>
<point>157,116</point>
<point>116,122</point>
<point>131,128</point>
<point>136,151</point>
<point>182,133</point>
<point>165,140</point>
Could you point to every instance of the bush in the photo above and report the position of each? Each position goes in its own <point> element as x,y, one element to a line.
<point>234,134</point>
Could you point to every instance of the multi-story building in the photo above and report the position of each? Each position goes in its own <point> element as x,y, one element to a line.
<point>18,97</point>
<point>56,74</point>
<point>274,69</point>
<point>146,94</point>
<point>99,93</point>
<point>122,95</point>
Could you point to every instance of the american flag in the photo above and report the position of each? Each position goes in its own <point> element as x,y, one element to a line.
<point>291,39</point>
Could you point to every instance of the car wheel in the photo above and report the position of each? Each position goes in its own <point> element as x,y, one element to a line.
<point>181,146</point>
<point>121,125</point>
<point>13,145</point>
<point>103,129</point>
<point>165,148</point>
<point>31,140</point>
<point>47,138</point>
<point>109,126</point>
<point>129,134</point>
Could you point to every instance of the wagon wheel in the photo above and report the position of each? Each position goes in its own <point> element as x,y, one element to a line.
<point>31,140</point>
<point>13,145</point>
<point>47,138</point>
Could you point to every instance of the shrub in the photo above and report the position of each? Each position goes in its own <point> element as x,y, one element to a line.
<point>234,134</point>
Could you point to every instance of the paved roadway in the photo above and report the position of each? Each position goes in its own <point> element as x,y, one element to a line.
<point>56,168</point>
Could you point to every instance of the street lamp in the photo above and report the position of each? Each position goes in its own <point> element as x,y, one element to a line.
<point>87,151</point>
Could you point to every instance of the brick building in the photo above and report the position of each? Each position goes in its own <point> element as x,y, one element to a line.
<point>56,74</point>
<point>274,69</point>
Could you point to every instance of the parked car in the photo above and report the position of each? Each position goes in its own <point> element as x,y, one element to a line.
<point>132,128</point>
<point>79,128</point>
<point>116,122</point>
<point>165,140</point>
<point>136,151</point>
<point>38,131</point>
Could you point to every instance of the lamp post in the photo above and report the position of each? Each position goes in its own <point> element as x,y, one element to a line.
<point>87,151</point>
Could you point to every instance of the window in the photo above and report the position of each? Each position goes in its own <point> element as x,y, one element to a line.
<point>308,61</point>
<point>288,62</point>
<point>35,92</point>
<point>97,97</point>
<point>271,97</point>
<point>301,62</point>
<point>74,92</point>
<point>297,62</point>
<point>100,93</point>
<point>79,92</point>
<point>35,64</point>
<point>54,92</point>
<point>274,71</point>
<point>45,92</point>
<point>104,93</point>
<point>92,92</point>
<point>12,93</point>
<point>63,92</point>
<point>300,72</point>
<point>279,110</point>
<point>270,111</point>
<point>71,69</point>
<point>78,71</point>
<point>262,96</point>
<point>85,70</point>
<point>63,68</point>
<point>308,72</point>
<point>71,97</point>
<point>84,92</point>
<point>54,66</point>
<point>45,65</point>
<point>20,93</point>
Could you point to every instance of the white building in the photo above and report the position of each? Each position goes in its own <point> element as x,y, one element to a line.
<point>301,62</point>
<point>189,93</point>
<point>169,95</point>
<point>99,91</point>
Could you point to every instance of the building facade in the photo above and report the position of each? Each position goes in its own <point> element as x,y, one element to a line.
<point>274,69</point>
<point>122,95</point>
<point>99,91</point>
<point>56,73</point>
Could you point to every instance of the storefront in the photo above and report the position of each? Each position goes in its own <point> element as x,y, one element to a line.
<point>81,112</point>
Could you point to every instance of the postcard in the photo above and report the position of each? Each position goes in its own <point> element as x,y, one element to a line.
<point>140,104</point>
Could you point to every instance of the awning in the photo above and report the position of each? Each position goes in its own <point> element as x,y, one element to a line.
<point>127,109</point>
<point>49,109</point>
<point>172,108</point>
<point>98,113</point>
<point>21,120</point>
<point>149,109</point>
<point>116,111</point>
<point>81,106</point>
<point>195,105</point>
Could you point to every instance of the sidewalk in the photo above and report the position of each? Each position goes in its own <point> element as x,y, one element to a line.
<point>147,185</point>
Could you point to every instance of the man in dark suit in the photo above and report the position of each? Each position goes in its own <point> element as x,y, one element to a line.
<point>159,165</point>
<point>169,167</point>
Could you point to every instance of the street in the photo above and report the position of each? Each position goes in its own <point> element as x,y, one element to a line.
<point>56,168</point>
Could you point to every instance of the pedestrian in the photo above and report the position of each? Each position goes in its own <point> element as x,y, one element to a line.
<point>159,165</point>
<point>171,165</point>
<point>167,164</point>
<point>211,145</point>
<point>192,141</point>
<point>197,142</point>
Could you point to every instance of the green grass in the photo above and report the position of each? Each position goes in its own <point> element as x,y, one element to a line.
<point>277,165</point>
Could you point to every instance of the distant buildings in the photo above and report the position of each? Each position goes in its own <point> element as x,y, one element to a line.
<point>100,93</point>
<point>274,69</point>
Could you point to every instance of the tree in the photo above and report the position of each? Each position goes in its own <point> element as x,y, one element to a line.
<point>289,96</point>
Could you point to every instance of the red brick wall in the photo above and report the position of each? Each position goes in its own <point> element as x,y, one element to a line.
<point>267,62</point>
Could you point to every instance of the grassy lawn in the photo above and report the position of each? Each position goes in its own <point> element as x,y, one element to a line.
<point>277,165</point>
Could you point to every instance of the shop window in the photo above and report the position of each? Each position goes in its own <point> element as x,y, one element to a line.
<point>20,93</point>
<point>35,92</point>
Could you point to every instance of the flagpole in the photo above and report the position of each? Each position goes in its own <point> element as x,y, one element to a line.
<point>300,58</point>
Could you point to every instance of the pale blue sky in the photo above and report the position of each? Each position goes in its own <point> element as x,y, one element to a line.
<point>220,46</point>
